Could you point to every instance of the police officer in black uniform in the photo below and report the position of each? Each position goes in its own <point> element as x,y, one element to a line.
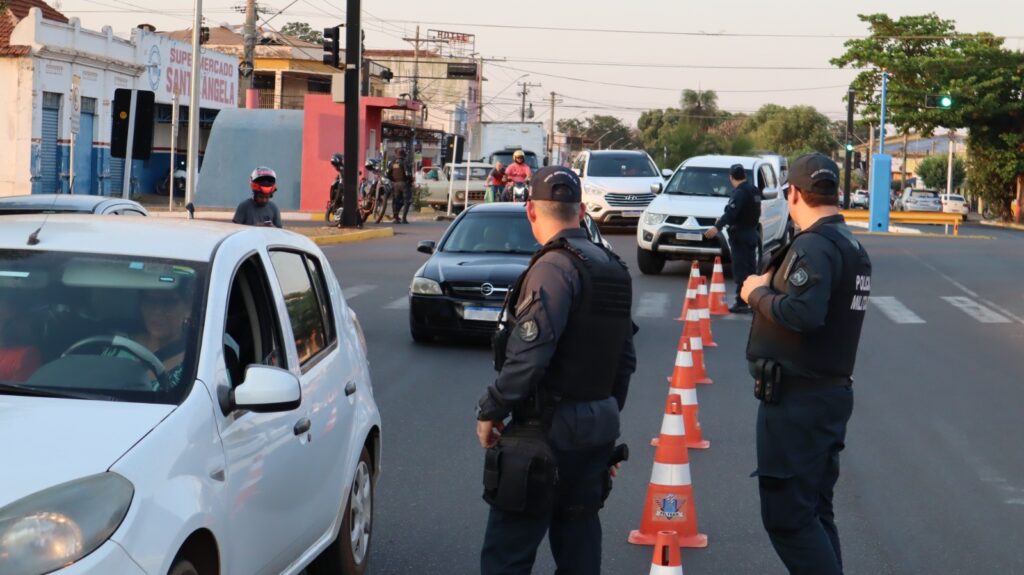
<point>808,310</point>
<point>565,357</point>
<point>742,215</point>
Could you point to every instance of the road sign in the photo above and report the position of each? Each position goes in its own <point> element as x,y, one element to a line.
<point>462,71</point>
<point>76,103</point>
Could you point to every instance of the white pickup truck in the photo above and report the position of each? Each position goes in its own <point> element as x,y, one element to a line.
<point>439,180</point>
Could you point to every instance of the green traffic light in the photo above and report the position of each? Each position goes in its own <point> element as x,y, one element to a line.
<point>946,101</point>
<point>849,147</point>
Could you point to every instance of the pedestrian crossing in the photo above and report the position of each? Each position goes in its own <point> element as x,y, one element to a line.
<point>653,305</point>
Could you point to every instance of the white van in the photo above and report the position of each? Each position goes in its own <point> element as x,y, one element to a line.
<point>673,225</point>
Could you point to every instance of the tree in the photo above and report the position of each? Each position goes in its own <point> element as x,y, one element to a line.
<point>700,106</point>
<point>925,55</point>
<point>303,31</point>
<point>571,126</point>
<point>791,131</point>
<point>653,122</point>
<point>933,171</point>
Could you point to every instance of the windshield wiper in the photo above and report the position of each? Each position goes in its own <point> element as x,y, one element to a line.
<point>9,389</point>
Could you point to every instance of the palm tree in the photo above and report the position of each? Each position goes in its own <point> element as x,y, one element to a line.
<point>700,105</point>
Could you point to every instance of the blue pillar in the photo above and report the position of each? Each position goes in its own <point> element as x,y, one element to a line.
<point>880,186</point>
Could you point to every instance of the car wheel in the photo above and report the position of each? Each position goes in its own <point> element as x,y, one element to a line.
<point>420,335</point>
<point>183,567</point>
<point>650,263</point>
<point>350,551</point>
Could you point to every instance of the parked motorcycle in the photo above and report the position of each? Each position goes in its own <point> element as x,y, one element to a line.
<point>180,175</point>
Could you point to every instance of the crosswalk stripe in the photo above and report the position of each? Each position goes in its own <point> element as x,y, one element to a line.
<point>894,309</point>
<point>653,304</point>
<point>400,303</point>
<point>356,291</point>
<point>977,311</point>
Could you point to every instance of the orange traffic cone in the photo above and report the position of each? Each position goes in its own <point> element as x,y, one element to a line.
<point>691,291</point>
<point>680,419</point>
<point>667,559</point>
<point>705,316</point>
<point>684,378</point>
<point>692,335</point>
<point>669,504</point>
<point>716,304</point>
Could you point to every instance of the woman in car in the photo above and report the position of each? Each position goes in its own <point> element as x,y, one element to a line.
<point>19,356</point>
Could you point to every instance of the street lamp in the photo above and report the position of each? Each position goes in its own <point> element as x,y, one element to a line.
<point>612,145</point>
<point>602,137</point>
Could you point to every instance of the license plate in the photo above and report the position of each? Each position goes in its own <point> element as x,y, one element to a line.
<point>481,313</point>
<point>689,237</point>
<point>632,213</point>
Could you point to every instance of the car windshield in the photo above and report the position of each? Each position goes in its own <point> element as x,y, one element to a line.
<point>480,233</point>
<point>506,159</point>
<point>956,198</point>
<point>702,181</point>
<point>480,173</point>
<point>98,326</point>
<point>621,166</point>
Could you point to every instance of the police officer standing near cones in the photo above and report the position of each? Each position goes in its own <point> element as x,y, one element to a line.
<point>808,311</point>
<point>742,216</point>
<point>565,355</point>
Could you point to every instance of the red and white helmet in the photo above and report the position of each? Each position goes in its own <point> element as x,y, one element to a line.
<point>263,180</point>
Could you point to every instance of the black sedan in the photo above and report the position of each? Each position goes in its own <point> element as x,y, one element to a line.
<point>460,290</point>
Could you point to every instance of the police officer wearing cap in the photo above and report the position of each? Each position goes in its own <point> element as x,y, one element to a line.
<point>564,356</point>
<point>742,215</point>
<point>808,311</point>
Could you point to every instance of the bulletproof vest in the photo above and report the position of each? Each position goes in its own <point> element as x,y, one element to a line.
<point>587,357</point>
<point>832,349</point>
<point>398,171</point>
<point>750,216</point>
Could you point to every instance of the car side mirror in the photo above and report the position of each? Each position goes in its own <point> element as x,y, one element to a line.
<point>267,390</point>
<point>770,194</point>
<point>426,247</point>
<point>666,173</point>
<point>656,188</point>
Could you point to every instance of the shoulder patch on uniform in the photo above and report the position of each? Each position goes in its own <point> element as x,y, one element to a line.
<point>528,331</point>
<point>799,277</point>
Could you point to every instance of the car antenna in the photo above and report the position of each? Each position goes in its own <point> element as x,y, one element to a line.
<point>33,238</point>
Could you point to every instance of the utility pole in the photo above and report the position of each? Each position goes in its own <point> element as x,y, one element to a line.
<point>194,112</point>
<point>249,37</point>
<point>949,163</point>
<point>416,87</point>
<point>848,160</point>
<point>353,56</point>
<point>551,132</point>
<point>526,90</point>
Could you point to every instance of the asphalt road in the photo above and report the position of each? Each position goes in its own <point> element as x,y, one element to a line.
<point>932,477</point>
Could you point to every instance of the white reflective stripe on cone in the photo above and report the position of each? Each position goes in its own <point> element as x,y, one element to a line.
<point>684,359</point>
<point>671,474</point>
<point>673,425</point>
<point>716,288</point>
<point>665,570</point>
<point>717,268</point>
<point>692,315</point>
<point>704,312</point>
<point>694,272</point>
<point>691,294</point>
<point>687,396</point>
<point>696,344</point>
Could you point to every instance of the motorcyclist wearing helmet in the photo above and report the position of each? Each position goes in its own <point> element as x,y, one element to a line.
<point>519,171</point>
<point>259,210</point>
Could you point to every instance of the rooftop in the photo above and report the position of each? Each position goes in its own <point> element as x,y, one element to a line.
<point>14,11</point>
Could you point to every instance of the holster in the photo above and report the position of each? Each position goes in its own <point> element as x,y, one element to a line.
<point>520,471</point>
<point>768,380</point>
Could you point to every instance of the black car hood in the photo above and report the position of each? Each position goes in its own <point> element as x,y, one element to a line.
<point>499,270</point>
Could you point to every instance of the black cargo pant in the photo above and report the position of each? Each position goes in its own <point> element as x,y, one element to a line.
<point>573,528</point>
<point>798,445</point>
<point>743,246</point>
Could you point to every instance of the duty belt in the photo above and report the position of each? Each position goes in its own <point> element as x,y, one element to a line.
<point>795,383</point>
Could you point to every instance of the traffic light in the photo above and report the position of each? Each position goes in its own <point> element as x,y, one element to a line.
<point>204,34</point>
<point>332,47</point>
<point>849,146</point>
<point>142,136</point>
<point>940,101</point>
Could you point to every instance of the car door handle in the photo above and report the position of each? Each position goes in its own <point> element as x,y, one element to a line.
<point>350,387</point>
<point>302,426</point>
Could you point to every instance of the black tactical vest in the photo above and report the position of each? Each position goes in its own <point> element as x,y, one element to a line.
<point>586,360</point>
<point>832,349</point>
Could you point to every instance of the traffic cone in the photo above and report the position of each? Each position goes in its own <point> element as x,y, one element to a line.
<point>667,559</point>
<point>705,316</point>
<point>692,337</point>
<point>669,502</point>
<point>691,291</point>
<point>684,378</point>
<point>716,304</point>
<point>681,418</point>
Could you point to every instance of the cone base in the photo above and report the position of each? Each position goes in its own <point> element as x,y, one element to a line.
<point>705,381</point>
<point>694,444</point>
<point>720,312</point>
<point>699,540</point>
<point>712,344</point>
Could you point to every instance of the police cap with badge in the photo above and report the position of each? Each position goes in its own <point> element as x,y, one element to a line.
<point>556,184</point>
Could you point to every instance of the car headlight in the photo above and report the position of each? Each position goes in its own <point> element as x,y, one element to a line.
<point>55,527</point>
<point>460,196</point>
<point>424,286</point>
<point>653,219</point>
<point>592,190</point>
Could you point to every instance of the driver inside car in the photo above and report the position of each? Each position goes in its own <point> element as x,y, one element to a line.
<point>164,313</point>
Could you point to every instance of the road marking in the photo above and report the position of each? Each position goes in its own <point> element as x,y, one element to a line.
<point>356,291</point>
<point>894,309</point>
<point>653,304</point>
<point>976,310</point>
<point>964,289</point>
<point>400,303</point>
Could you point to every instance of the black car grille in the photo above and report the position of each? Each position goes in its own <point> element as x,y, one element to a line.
<point>476,291</point>
<point>629,200</point>
<point>680,220</point>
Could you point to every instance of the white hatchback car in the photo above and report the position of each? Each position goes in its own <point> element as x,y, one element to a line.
<point>955,204</point>
<point>179,397</point>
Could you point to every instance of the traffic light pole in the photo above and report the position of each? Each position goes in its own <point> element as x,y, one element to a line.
<point>350,213</point>
<point>848,161</point>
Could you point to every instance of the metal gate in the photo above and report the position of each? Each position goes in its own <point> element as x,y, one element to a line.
<point>84,181</point>
<point>49,161</point>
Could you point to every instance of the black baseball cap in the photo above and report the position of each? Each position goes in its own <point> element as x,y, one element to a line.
<point>815,173</point>
<point>556,184</point>
<point>737,172</point>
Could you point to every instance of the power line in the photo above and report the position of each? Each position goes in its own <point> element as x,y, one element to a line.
<point>673,66</point>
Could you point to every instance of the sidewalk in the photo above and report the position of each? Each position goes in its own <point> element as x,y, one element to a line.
<point>1004,225</point>
<point>298,222</point>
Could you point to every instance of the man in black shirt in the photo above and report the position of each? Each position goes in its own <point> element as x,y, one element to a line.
<point>742,215</point>
<point>259,210</point>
